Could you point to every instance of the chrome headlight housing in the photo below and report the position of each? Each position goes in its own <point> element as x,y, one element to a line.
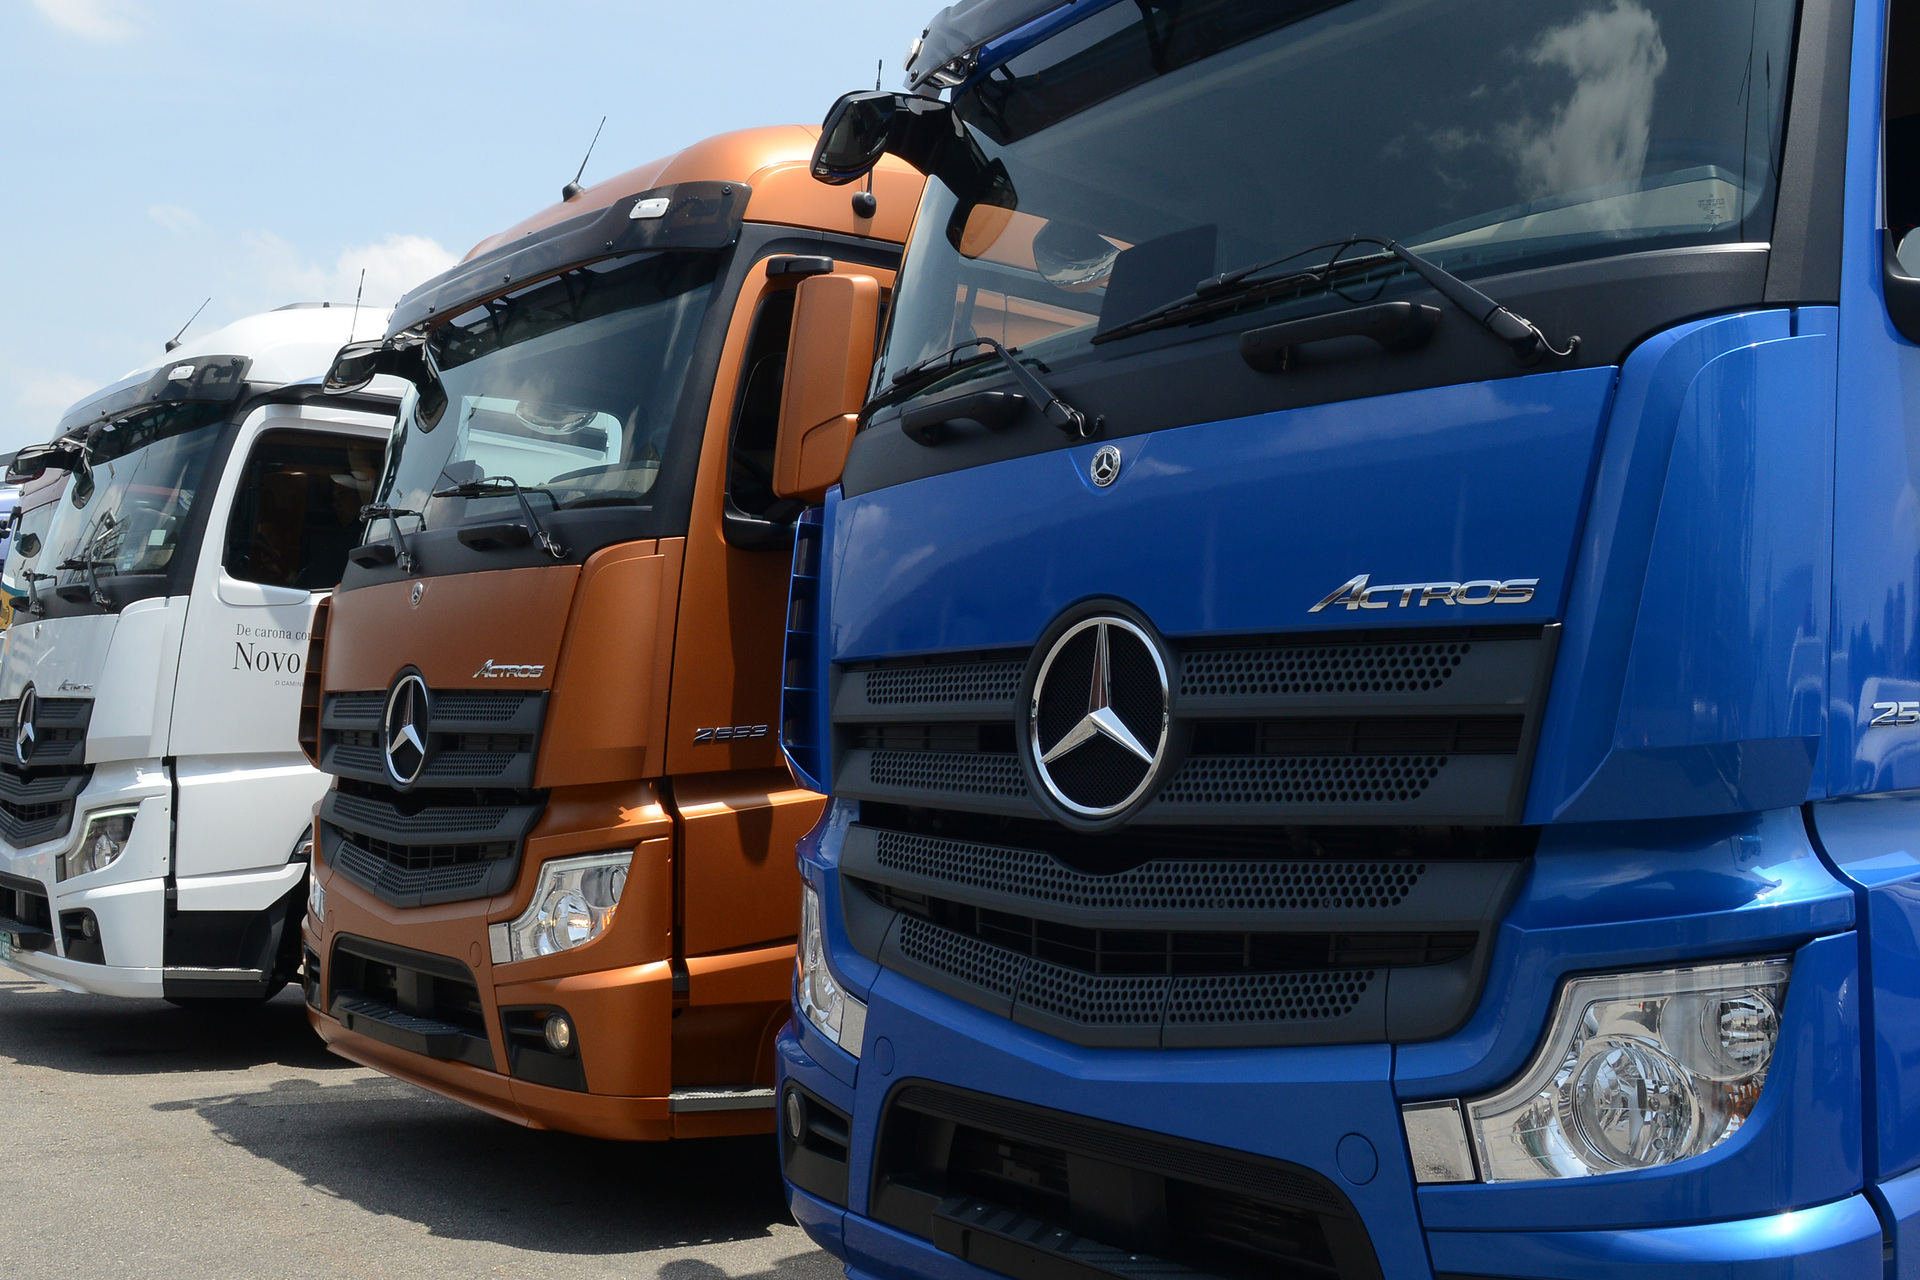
<point>1637,1070</point>
<point>101,843</point>
<point>836,1013</point>
<point>573,904</point>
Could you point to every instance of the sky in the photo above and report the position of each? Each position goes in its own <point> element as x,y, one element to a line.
<point>258,152</point>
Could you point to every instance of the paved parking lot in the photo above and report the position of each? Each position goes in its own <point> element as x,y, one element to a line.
<point>144,1140</point>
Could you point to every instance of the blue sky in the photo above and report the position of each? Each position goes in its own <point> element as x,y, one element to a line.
<point>262,152</point>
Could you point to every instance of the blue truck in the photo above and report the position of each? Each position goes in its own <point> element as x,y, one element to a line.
<point>1365,650</point>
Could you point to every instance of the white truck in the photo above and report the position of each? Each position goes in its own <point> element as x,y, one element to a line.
<point>155,809</point>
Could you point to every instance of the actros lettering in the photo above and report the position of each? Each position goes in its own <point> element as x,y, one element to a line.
<point>250,657</point>
<point>1356,594</point>
<point>491,670</point>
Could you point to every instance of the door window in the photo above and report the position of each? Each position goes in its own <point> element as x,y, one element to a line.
<point>298,510</point>
<point>756,420</point>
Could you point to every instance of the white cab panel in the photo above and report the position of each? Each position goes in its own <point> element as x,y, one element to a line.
<point>241,813</point>
<point>133,696</point>
<point>239,890</point>
<point>61,657</point>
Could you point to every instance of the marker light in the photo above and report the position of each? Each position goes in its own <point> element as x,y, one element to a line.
<point>1637,1070</point>
<point>838,1015</point>
<point>572,905</point>
<point>101,844</point>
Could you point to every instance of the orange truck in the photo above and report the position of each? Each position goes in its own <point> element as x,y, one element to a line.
<point>554,876</point>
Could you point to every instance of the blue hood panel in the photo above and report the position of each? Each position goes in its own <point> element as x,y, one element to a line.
<point>1235,526</point>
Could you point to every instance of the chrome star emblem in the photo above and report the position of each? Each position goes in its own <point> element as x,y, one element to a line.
<point>1100,718</point>
<point>23,732</point>
<point>1104,469</point>
<point>419,589</point>
<point>403,736</point>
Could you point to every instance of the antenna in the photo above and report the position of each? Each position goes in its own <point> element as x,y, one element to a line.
<point>574,188</point>
<point>355,324</point>
<point>174,341</point>
<point>864,204</point>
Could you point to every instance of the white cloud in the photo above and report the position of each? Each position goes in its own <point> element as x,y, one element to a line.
<point>392,267</point>
<point>93,19</point>
<point>173,217</point>
<point>1599,135</point>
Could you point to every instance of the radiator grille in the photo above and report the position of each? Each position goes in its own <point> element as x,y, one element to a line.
<point>955,682</point>
<point>1241,780</point>
<point>1319,669</point>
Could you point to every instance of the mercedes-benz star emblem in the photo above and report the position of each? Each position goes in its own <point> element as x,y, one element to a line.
<point>23,735</point>
<point>403,735</point>
<point>1105,467</point>
<point>419,589</point>
<point>1097,723</point>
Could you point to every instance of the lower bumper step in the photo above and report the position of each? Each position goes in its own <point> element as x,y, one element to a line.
<point>428,1037</point>
<point>1003,1240</point>
<point>746,1099</point>
<point>185,982</point>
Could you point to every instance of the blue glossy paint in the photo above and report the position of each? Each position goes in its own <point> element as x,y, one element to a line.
<point>1900,1198</point>
<point>1875,842</point>
<point>1876,639</point>
<point>1208,527</point>
<point>1839,1241</point>
<point>1691,669</point>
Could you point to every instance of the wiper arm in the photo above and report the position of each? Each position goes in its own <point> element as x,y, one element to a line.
<point>1230,288</point>
<point>1052,407</point>
<point>34,606</point>
<point>493,487</point>
<point>380,511</point>
<point>91,565</point>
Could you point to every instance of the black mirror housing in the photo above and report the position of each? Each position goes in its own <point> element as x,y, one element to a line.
<point>35,460</point>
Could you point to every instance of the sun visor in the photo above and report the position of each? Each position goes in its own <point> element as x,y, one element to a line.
<point>957,32</point>
<point>684,215</point>
<point>199,379</point>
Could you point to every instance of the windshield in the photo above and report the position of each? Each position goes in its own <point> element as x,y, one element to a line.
<point>26,546</point>
<point>568,387</point>
<point>1148,152</point>
<point>125,512</point>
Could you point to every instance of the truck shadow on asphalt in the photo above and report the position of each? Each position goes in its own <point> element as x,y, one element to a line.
<point>398,1151</point>
<point>102,1035</point>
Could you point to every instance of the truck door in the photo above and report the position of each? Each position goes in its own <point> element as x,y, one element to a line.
<point>742,814</point>
<point>286,512</point>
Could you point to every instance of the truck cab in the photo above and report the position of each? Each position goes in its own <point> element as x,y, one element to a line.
<point>553,875</point>
<point>1363,654</point>
<point>175,539</point>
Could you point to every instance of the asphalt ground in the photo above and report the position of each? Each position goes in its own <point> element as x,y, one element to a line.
<point>137,1139</point>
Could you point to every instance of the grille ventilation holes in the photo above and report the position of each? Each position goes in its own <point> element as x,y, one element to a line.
<point>1154,886</point>
<point>1394,668</point>
<point>987,967</point>
<point>1221,780</point>
<point>980,774</point>
<point>955,682</point>
<point>1232,999</point>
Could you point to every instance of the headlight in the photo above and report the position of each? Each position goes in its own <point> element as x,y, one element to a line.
<point>839,1015</point>
<point>572,904</point>
<point>1638,1070</point>
<point>101,844</point>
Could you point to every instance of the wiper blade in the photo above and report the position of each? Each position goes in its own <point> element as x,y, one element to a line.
<point>493,487</point>
<point>91,565</point>
<point>380,511</point>
<point>1229,289</point>
<point>1052,407</point>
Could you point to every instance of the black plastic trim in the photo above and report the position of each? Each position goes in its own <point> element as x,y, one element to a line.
<point>1808,212</point>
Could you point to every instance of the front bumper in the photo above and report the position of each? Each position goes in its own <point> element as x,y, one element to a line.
<point>617,991</point>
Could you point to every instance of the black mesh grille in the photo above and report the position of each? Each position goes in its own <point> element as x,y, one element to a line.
<point>976,774</point>
<point>954,682</point>
<point>1098,1001</point>
<point>428,857</point>
<point>1352,668</point>
<point>375,871</point>
<point>969,959</point>
<point>476,819</point>
<point>370,706</point>
<point>1228,999</point>
<point>1237,885</point>
<point>1251,780</point>
<point>479,707</point>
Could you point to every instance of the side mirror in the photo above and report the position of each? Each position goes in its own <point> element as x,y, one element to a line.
<point>1900,277</point>
<point>829,360</point>
<point>355,366</point>
<point>28,544</point>
<point>33,461</point>
<point>855,136</point>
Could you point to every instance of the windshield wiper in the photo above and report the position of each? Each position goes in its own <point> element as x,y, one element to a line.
<point>380,511</point>
<point>1052,407</point>
<point>34,605</point>
<point>1231,288</point>
<point>493,487</point>
<point>91,565</point>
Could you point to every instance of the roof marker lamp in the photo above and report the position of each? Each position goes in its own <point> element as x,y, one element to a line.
<point>835,1013</point>
<point>573,904</point>
<point>1637,1070</point>
<point>101,844</point>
